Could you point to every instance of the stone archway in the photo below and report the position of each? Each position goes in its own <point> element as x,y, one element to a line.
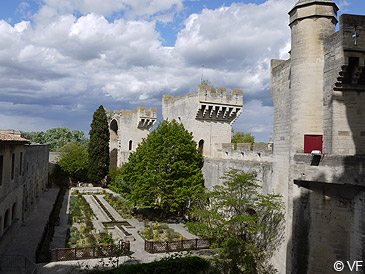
<point>113,129</point>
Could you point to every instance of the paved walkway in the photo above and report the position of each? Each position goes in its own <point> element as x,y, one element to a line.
<point>59,236</point>
<point>30,233</point>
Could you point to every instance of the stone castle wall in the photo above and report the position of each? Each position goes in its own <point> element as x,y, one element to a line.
<point>208,114</point>
<point>319,91</point>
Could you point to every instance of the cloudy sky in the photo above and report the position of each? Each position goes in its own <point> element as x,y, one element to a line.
<point>61,59</point>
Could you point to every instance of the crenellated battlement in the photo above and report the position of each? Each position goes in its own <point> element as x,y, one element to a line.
<point>220,96</point>
<point>146,118</point>
<point>261,152</point>
<point>218,105</point>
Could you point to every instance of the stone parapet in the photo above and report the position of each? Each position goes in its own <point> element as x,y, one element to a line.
<point>332,169</point>
<point>261,152</point>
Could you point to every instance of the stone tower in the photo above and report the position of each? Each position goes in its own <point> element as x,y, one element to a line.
<point>208,114</point>
<point>310,21</point>
<point>319,139</point>
<point>127,129</point>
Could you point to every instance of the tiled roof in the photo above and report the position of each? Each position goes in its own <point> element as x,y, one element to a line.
<point>6,137</point>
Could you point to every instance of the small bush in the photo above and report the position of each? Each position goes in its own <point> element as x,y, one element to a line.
<point>184,265</point>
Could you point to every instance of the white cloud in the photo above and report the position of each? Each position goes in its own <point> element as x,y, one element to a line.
<point>77,63</point>
<point>132,8</point>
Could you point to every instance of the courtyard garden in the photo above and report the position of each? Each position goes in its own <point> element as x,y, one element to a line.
<point>102,217</point>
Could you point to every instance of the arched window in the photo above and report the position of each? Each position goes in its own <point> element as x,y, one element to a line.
<point>130,145</point>
<point>201,145</point>
<point>114,127</point>
<point>13,212</point>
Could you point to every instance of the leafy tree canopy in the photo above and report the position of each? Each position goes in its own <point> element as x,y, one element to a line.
<point>165,171</point>
<point>242,137</point>
<point>98,146</point>
<point>56,137</point>
<point>73,160</point>
<point>248,224</point>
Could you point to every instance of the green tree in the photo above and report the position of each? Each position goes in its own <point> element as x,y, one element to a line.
<point>56,138</point>
<point>242,137</point>
<point>248,225</point>
<point>73,159</point>
<point>34,136</point>
<point>98,146</point>
<point>165,171</point>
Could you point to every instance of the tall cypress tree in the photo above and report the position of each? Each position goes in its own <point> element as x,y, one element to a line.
<point>98,146</point>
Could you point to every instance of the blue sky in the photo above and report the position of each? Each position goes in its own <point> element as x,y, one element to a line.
<point>59,60</point>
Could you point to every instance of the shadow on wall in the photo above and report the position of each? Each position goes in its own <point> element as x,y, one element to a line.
<point>329,218</point>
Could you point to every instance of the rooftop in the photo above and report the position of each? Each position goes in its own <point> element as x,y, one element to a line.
<point>6,137</point>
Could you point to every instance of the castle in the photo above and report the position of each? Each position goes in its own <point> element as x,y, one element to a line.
<point>317,162</point>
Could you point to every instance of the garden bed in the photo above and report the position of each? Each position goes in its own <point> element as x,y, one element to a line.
<point>82,233</point>
<point>159,232</point>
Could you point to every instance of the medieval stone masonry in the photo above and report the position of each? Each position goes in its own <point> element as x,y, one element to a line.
<point>317,159</point>
<point>319,139</point>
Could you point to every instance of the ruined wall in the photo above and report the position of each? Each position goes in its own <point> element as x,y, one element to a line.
<point>127,129</point>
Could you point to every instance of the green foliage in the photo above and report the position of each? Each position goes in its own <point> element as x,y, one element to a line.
<point>241,137</point>
<point>165,171</point>
<point>183,265</point>
<point>106,238</point>
<point>116,180</point>
<point>56,138</point>
<point>99,146</point>
<point>208,83</point>
<point>248,225</point>
<point>58,176</point>
<point>159,232</point>
<point>122,207</point>
<point>73,160</point>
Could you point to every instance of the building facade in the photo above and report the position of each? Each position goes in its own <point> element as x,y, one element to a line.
<point>23,178</point>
